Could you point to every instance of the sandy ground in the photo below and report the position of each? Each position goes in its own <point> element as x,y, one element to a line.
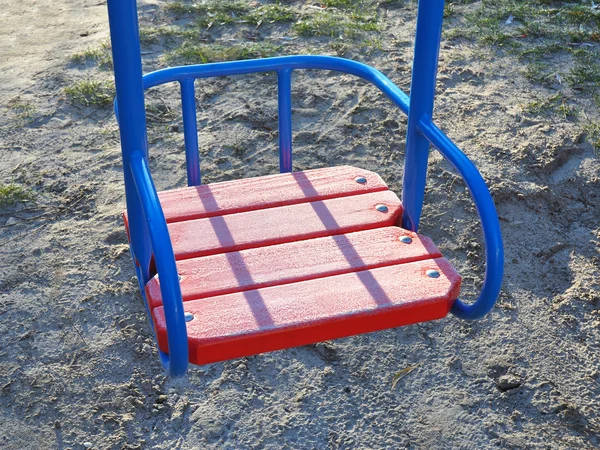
<point>78,367</point>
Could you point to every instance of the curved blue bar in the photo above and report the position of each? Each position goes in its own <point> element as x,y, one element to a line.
<point>278,64</point>
<point>176,363</point>
<point>492,236</point>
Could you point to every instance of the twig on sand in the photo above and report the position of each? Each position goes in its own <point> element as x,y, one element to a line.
<point>403,373</point>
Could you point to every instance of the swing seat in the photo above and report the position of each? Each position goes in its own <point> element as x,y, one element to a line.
<point>248,266</point>
<point>291,259</point>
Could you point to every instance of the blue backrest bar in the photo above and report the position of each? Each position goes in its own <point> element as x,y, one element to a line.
<point>190,131</point>
<point>284,99</point>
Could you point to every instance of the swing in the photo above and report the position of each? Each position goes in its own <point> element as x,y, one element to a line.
<point>248,266</point>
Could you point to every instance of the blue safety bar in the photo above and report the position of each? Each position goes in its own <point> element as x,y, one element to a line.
<point>148,231</point>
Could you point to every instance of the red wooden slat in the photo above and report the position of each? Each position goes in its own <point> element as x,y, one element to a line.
<point>272,226</point>
<point>266,192</point>
<point>277,317</point>
<point>295,261</point>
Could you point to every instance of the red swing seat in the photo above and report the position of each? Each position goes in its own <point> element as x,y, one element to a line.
<point>291,259</point>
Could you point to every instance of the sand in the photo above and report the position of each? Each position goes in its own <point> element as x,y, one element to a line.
<point>78,366</point>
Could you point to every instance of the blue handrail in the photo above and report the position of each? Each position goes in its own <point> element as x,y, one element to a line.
<point>176,362</point>
<point>492,236</point>
<point>277,64</point>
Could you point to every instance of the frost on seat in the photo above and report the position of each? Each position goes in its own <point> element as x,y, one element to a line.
<point>296,259</point>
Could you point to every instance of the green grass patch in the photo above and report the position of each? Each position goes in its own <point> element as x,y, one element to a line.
<point>584,73</point>
<point>189,53</point>
<point>496,22</point>
<point>351,4</point>
<point>231,8</point>
<point>101,56</point>
<point>592,131</point>
<point>11,194</point>
<point>539,72</point>
<point>271,14</point>
<point>556,104</point>
<point>23,109</point>
<point>91,93</point>
<point>335,24</point>
<point>543,51</point>
<point>582,14</point>
<point>214,13</point>
<point>153,35</point>
<point>186,44</point>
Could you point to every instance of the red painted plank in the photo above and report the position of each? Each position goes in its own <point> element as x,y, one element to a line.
<point>295,261</point>
<point>266,192</point>
<point>277,317</point>
<point>272,226</point>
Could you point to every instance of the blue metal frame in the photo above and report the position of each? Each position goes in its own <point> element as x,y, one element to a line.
<point>422,91</point>
<point>190,131</point>
<point>148,230</point>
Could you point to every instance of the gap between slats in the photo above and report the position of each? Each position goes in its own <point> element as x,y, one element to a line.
<point>251,229</point>
<point>293,262</point>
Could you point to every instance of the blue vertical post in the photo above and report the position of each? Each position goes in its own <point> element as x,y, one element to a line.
<point>190,131</point>
<point>284,97</point>
<point>127,62</point>
<point>422,91</point>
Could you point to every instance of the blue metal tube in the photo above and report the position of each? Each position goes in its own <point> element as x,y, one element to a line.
<point>190,131</point>
<point>284,97</point>
<point>492,236</point>
<point>422,90</point>
<point>176,362</point>
<point>277,64</point>
<point>132,117</point>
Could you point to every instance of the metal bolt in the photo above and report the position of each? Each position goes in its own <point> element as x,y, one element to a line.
<point>405,239</point>
<point>188,316</point>
<point>361,180</point>
<point>381,208</point>
<point>432,273</point>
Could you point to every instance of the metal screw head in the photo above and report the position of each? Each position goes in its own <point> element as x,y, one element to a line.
<point>381,208</point>
<point>361,180</point>
<point>432,273</point>
<point>405,239</point>
<point>188,316</point>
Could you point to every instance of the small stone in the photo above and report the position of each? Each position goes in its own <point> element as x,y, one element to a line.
<point>508,381</point>
<point>327,351</point>
<point>454,363</point>
<point>162,399</point>
<point>57,425</point>
<point>11,221</point>
<point>88,444</point>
